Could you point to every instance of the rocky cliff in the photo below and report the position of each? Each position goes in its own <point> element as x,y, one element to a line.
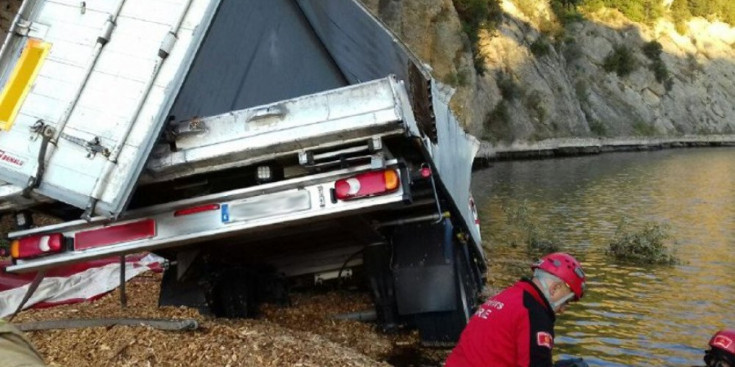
<point>544,81</point>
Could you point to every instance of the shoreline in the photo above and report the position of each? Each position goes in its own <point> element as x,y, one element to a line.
<point>566,147</point>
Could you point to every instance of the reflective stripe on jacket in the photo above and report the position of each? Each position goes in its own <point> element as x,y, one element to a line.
<point>513,329</point>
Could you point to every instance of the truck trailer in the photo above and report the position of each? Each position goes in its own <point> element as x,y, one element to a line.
<point>258,145</point>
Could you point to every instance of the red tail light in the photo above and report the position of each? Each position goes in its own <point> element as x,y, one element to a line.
<point>36,246</point>
<point>367,184</point>
<point>196,209</point>
<point>115,234</point>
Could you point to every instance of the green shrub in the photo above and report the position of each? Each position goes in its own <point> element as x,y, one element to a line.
<point>660,71</point>
<point>680,27</point>
<point>647,11</point>
<point>582,90</point>
<point>620,60</point>
<point>643,11</point>
<point>598,128</point>
<point>693,65</point>
<point>644,246</point>
<point>571,49</point>
<point>460,78</point>
<point>680,14</point>
<point>527,7</point>
<point>499,115</point>
<point>641,128</point>
<point>566,11</point>
<point>540,47</point>
<point>652,50</point>
<point>509,89</point>
<point>593,5</point>
<point>476,15</point>
<point>497,125</point>
<point>535,105</point>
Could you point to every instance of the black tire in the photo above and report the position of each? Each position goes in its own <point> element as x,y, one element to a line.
<point>233,296</point>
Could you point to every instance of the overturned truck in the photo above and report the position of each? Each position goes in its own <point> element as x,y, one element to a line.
<point>257,145</point>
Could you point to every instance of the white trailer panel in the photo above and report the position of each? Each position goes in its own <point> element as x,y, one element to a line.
<point>101,93</point>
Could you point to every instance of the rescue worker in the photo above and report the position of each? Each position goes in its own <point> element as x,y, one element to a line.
<point>721,352</point>
<point>15,349</point>
<point>516,327</point>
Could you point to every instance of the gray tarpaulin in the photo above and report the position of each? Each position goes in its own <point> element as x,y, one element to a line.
<point>255,52</point>
<point>263,51</point>
<point>362,47</point>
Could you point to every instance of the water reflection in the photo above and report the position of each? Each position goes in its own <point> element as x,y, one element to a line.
<point>631,315</point>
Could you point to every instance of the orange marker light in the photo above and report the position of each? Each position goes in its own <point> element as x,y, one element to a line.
<point>15,249</point>
<point>391,179</point>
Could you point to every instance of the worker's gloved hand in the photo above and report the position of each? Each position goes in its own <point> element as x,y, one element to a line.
<point>571,362</point>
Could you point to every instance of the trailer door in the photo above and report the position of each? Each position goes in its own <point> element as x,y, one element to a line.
<point>85,89</point>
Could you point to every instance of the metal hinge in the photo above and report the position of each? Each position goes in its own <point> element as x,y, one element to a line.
<point>26,28</point>
<point>22,27</point>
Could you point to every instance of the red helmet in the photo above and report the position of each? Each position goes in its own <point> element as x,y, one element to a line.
<point>565,267</point>
<point>724,340</point>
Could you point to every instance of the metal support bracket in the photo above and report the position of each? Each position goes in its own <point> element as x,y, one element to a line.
<point>270,111</point>
<point>23,27</point>
<point>92,146</point>
<point>46,132</point>
<point>123,295</point>
<point>194,126</point>
<point>375,144</point>
<point>26,28</point>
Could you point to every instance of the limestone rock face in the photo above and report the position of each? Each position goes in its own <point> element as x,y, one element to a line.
<point>565,91</point>
<point>432,30</point>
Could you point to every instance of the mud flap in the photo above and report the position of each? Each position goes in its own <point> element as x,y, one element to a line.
<point>423,268</point>
<point>181,292</point>
<point>434,283</point>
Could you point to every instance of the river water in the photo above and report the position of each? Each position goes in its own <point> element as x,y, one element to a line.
<point>631,315</point>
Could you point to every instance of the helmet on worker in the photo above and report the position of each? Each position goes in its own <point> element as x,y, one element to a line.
<point>566,268</point>
<point>722,349</point>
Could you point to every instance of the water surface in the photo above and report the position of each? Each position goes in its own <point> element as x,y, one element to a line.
<point>631,315</point>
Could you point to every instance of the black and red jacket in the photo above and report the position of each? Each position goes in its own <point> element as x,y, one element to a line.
<point>513,329</point>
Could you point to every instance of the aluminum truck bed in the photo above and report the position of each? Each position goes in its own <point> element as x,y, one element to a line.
<point>336,117</point>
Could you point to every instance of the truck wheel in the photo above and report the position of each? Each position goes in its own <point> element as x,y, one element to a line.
<point>444,328</point>
<point>234,295</point>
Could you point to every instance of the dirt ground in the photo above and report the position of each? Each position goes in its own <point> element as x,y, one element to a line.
<point>303,334</point>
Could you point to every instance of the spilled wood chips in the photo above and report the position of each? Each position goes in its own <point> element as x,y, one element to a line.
<point>302,334</point>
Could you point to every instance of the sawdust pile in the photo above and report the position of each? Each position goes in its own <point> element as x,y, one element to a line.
<point>302,334</point>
